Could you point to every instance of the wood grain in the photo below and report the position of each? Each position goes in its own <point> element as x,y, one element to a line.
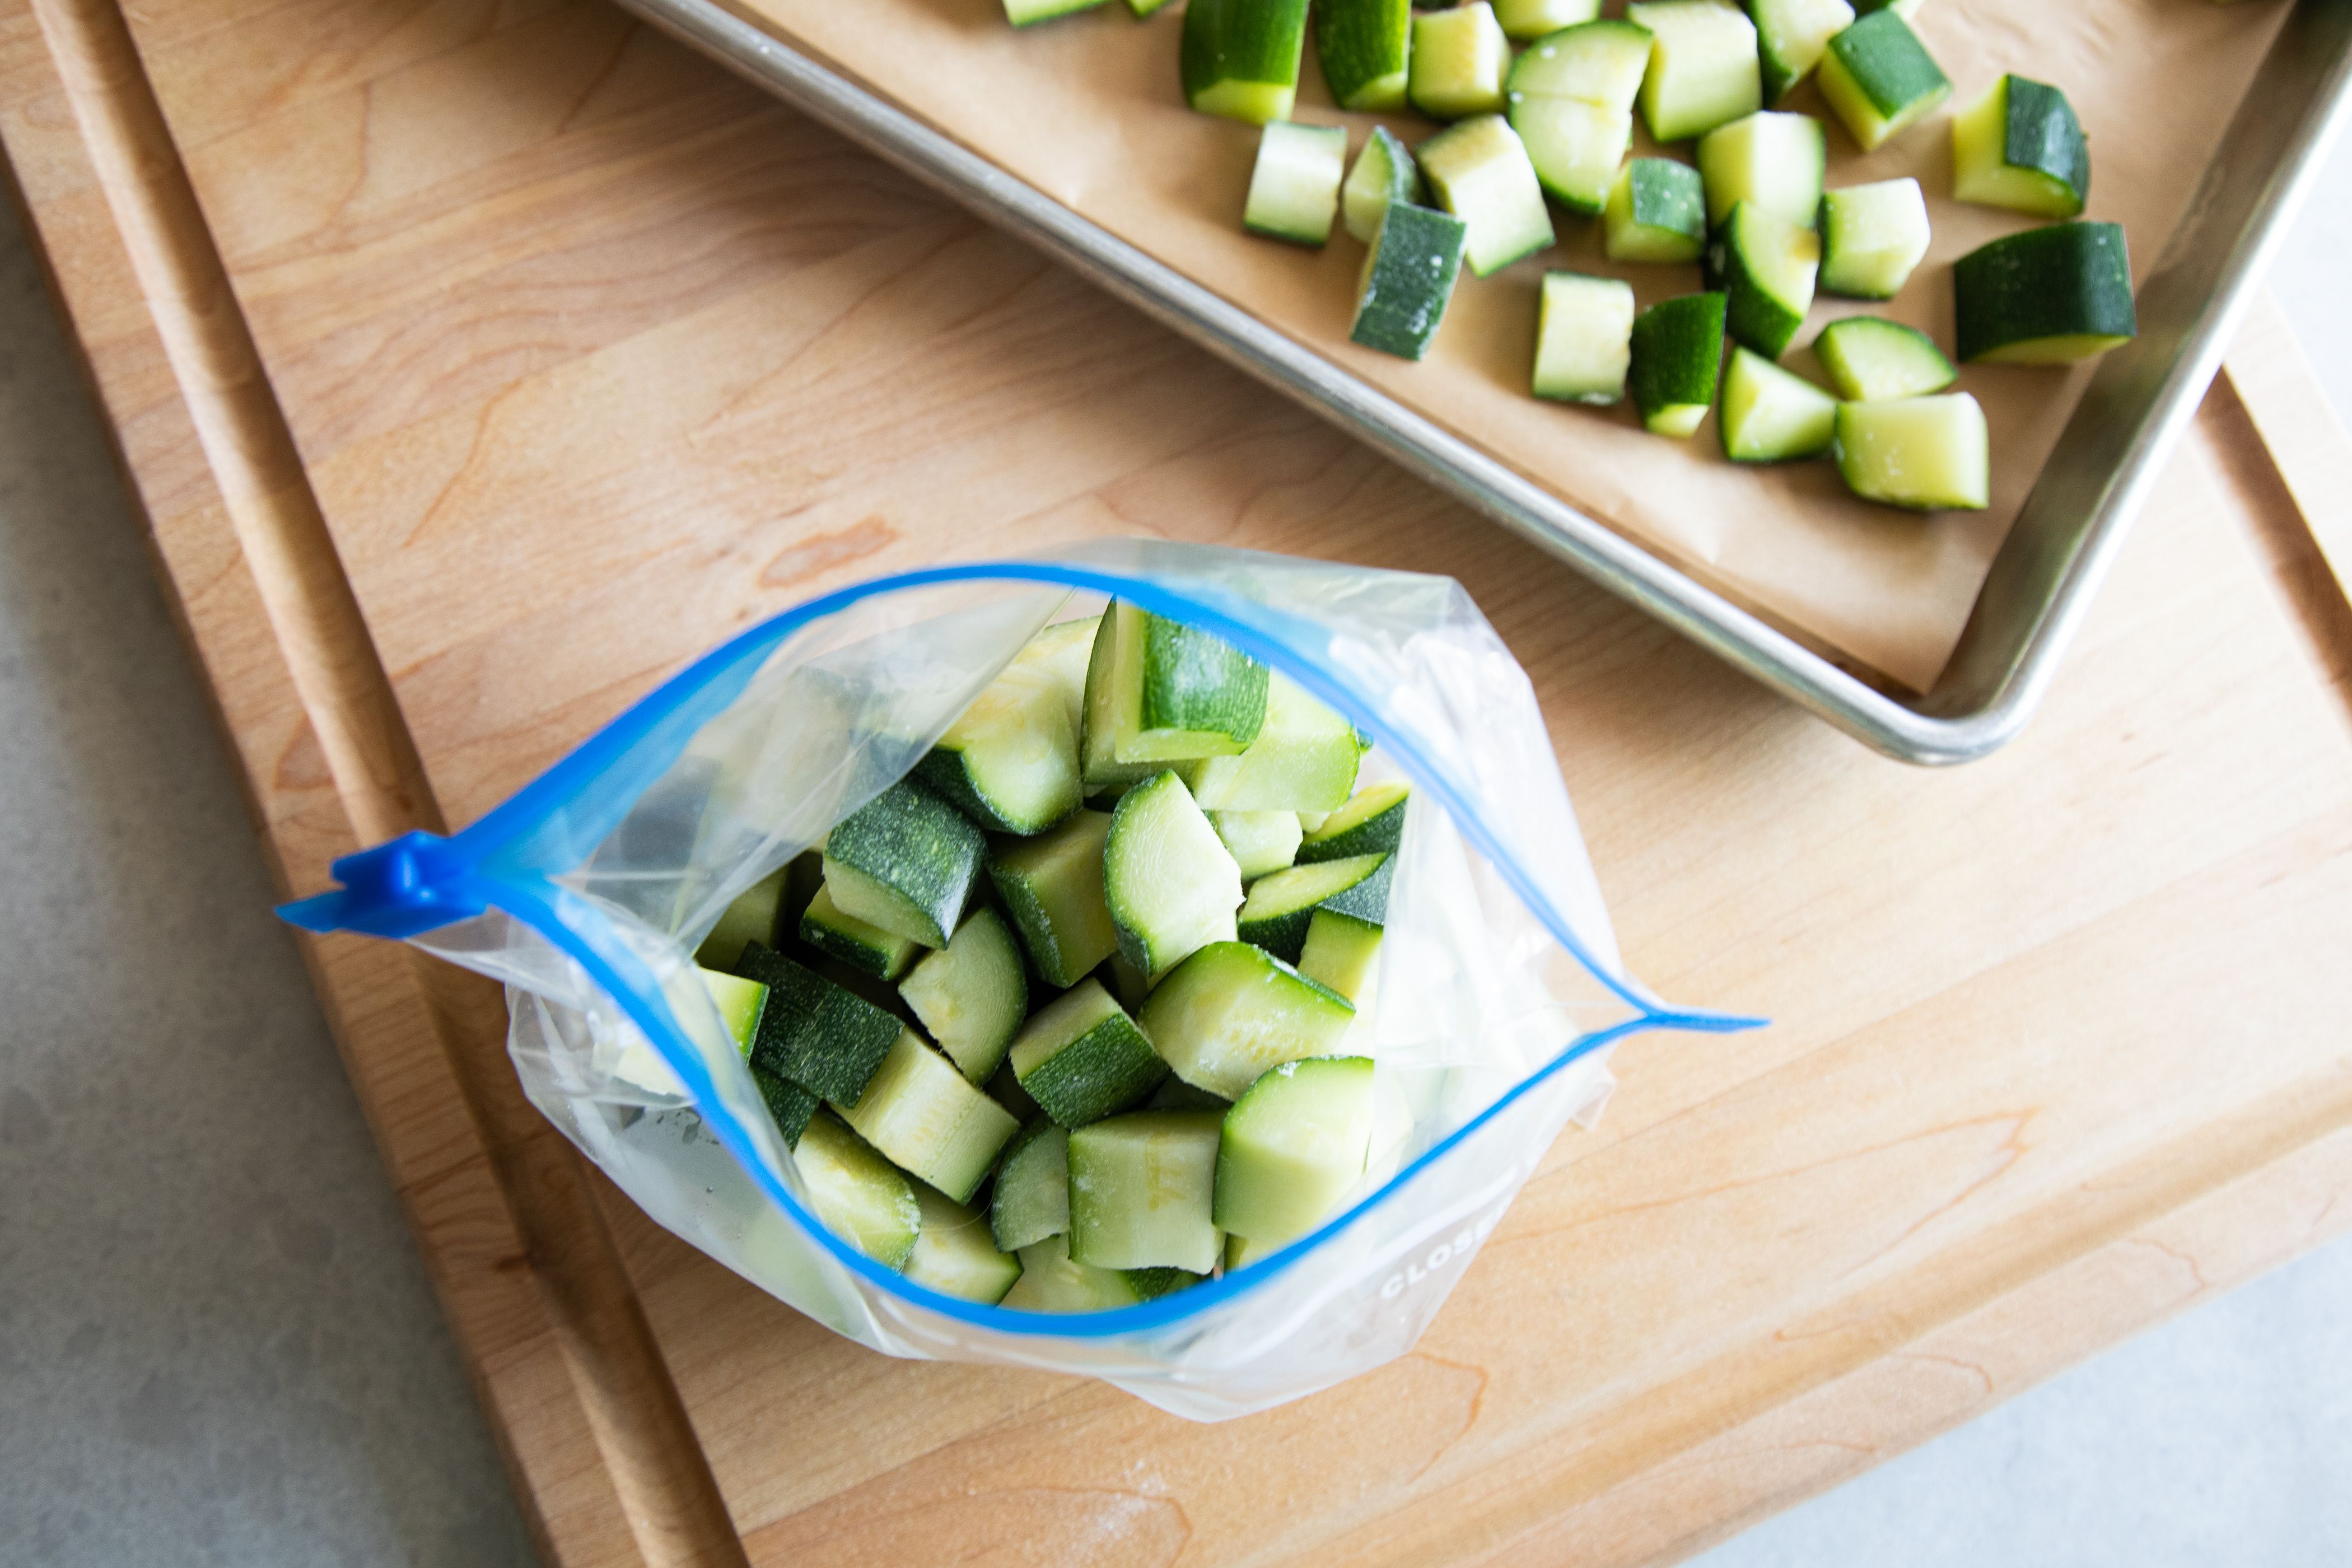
<point>583,354</point>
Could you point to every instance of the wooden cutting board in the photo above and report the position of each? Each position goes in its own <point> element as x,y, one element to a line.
<point>477,363</point>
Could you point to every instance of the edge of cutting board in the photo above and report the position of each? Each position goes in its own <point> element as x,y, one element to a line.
<point>600,1449</point>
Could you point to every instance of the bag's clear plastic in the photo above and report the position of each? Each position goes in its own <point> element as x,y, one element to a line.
<point>1499,994</point>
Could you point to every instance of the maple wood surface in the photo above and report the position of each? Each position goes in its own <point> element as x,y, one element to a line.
<point>533,355</point>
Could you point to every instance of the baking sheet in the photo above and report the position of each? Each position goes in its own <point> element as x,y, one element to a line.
<point>1087,110</point>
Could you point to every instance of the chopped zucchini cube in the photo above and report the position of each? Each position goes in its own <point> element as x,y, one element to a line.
<point>1656,212</point>
<point>1768,266</point>
<point>1171,886</point>
<point>868,949</point>
<point>1924,453</point>
<point>1362,45</point>
<point>1281,906</point>
<point>1459,59</point>
<point>1082,1058</point>
<point>1370,823</point>
<point>1260,842</point>
<point>1239,59</point>
<point>1143,1189</point>
<point>821,1036</point>
<point>859,1195</point>
<point>1233,1010</point>
<point>1408,279</point>
<point>1530,19</point>
<point>1574,146</point>
<point>1703,71</point>
<point>1292,1147</point>
<point>2020,147</point>
<point>1584,338</point>
<point>1160,691</point>
<point>1294,189</point>
<point>1052,887</point>
<point>1597,62</point>
<point>932,1123</point>
<point>972,995</point>
<point>1677,354</point>
<point>1871,237</point>
<point>1304,759</point>
<point>1480,173</point>
<point>1880,78</point>
<point>1775,161</point>
<point>1051,1282</point>
<point>1871,360</point>
<point>2048,296</point>
<point>1384,172</point>
<point>904,861</point>
<point>1341,952</point>
<point>1010,760</point>
<point>1772,415</point>
<point>1030,1198</point>
<point>1027,13</point>
<point>955,1255</point>
<point>1790,37</point>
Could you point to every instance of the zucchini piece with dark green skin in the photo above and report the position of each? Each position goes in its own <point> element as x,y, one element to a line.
<point>1384,172</point>
<point>1871,360</point>
<point>972,995</point>
<point>813,1033</point>
<point>1239,59</point>
<point>1362,44</point>
<point>1281,906</point>
<point>1773,416</point>
<point>859,1195</point>
<point>1031,1200</point>
<point>1571,102</point>
<point>1142,1187</point>
<point>1656,212</point>
<point>2020,147</point>
<point>1768,266</point>
<point>1880,79</point>
<point>1010,760</point>
<point>1677,357</point>
<point>1082,1058</point>
<point>1052,889</point>
<point>906,861</point>
<point>1159,691</point>
<point>929,1119</point>
<point>2048,296</point>
<point>1171,887</point>
<point>1791,36</point>
<point>1408,279</point>
<point>1370,823</point>
<point>867,948</point>
<point>1233,1010</point>
<point>1304,759</point>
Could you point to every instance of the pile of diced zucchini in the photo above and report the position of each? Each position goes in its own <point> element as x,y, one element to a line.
<point>1067,1018</point>
<point>1539,100</point>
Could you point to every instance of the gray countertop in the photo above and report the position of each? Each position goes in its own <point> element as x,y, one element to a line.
<point>217,1344</point>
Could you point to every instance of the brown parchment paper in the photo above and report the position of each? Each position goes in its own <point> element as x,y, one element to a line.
<point>1088,110</point>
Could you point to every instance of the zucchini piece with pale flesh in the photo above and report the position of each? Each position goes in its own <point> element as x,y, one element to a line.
<point>1304,759</point>
<point>1656,212</point>
<point>1171,886</point>
<point>1924,453</point>
<point>955,1255</point>
<point>820,1036</point>
<point>1028,13</point>
<point>1233,1010</point>
<point>1479,172</point>
<point>1142,1189</point>
<point>1677,356</point>
<point>1051,1282</point>
<point>1601,62</point>
<point>740,1002</point>
<point>1871,359</point>
<point>906,861</point>
<point>972,995</point>
<point>1031,1197</point>
<point>750,917</point>
<point>1703,71</point>
<point>1528,19</point>
<point>1239,59</point>
<point>1341,953</point>
<point>1052,888</point>
<point>2047,295</point>
<point>1584,338</point>
<point>1292,1147</point>
<point>1773,416</point>
<point>1458,62</point>
<point>1280,906</point>
<point>1259,841</point>
<point>1159,691</point>
<point>1790,37</point>
<point>2020,147</point>
<point>861,1198</point>
<point>922,1113</point>
<point>1010,759</point>
<point>1880,79</point>
<point>1370,823</point>
<point>1362,44</point>
<point>1775,161</point>
<point>1408,279</point>
<point>1082,1058</point>
<point>1571,102</point>
<point>1768,266</point>
<point>1294,189</point>
<point>1059,655</point>
<point>1872,238</point>
<point>868,949</point>
<point>1384,172</point>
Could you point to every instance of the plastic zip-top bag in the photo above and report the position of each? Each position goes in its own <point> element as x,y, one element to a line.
<point>1499,992</point>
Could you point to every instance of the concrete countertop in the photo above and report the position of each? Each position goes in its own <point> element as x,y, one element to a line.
<point>217,1344</point>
